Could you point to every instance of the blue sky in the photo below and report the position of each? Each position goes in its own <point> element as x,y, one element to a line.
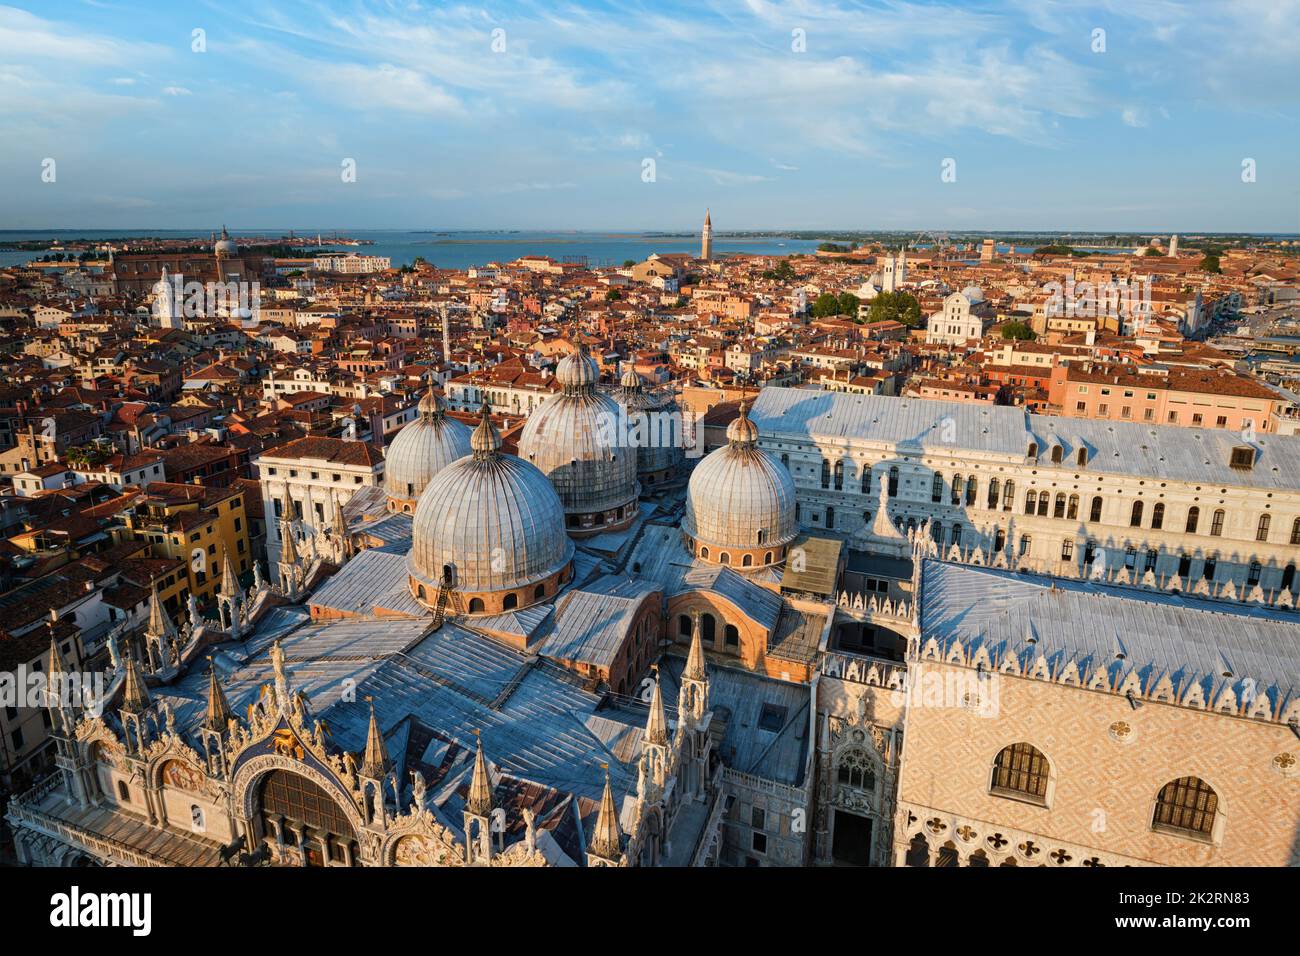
<point>801,114</point>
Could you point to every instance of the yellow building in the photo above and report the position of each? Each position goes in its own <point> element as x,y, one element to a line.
<point>197,525</point>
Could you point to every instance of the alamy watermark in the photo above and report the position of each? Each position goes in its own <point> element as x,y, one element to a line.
<point>82,690</point>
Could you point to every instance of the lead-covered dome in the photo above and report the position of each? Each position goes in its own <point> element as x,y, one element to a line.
<point>576,439</point>
<point>740,502</point>
<point>492,526</point>
<point>225,246</point>
<point>657,429</point>
<point>421,449</point>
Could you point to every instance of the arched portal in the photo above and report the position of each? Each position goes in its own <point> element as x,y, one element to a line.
<point>303,815</point>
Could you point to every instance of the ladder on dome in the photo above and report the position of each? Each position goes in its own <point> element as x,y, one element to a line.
<point>446,599</point>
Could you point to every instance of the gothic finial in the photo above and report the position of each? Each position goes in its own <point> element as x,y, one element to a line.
<point>606,839</point>
<point>695,659</point>
<point>656,730</point>
<point>229,579</point>
<point>219,712</point>
<point>375,763</point>
<point>479,802</point>
<point>135,695</point>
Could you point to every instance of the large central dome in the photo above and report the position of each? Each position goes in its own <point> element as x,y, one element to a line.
<point>576,440</point>
<point>421,449</point>
<point>740,502</point>
<point>492,527</point>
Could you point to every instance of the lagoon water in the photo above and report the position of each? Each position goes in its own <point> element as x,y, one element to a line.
<point>454,249</point>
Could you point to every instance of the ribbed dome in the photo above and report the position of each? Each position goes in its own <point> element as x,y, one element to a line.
<point>740,496</point>
<point>655,453</point>
<point>423,448</point>
<point>492,518</point>
<point>574,439</point>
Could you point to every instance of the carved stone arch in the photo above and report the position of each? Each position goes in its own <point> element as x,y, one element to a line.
<point>418,840</point>
<point>244,788</point>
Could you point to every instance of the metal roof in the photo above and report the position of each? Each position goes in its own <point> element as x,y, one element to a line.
<point>373,578</point>
<point>917,426</point>
<point>1158,633</point>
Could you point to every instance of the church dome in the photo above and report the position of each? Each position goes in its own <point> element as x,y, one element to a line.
<point>225,245</point>
<point>575,439</point>
<point>421,449</point>
<point>656,428</point>
<point>974,293</point>
<point>740,502</point>
<point>493,524</point>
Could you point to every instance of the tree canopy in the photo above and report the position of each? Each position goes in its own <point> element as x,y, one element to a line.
<point>828,304</point>
<point>895,307</point>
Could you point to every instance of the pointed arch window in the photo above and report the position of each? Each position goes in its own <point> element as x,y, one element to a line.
<point>1193,519</point>
<point>1058,508</point>
<point>958,485</point>
<point>893,481</point>
<point>866,479</point>
<point>855,769</point>
<point>1216,524</point>
<point>993,493</point>
<point>1095,514</point>
<point>1135,516</point>
<point>1158,516</point>
<point>1008,495</point>
<point>936,487</point>
<point>1072,512</point>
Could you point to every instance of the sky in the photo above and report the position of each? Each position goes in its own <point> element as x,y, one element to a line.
<point>1132,115</point>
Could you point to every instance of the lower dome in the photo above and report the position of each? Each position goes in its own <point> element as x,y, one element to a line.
<point>492,527</point>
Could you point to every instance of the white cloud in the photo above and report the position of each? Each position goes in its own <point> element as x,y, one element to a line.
<point>176,91</point>
<point>1132,116</point>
